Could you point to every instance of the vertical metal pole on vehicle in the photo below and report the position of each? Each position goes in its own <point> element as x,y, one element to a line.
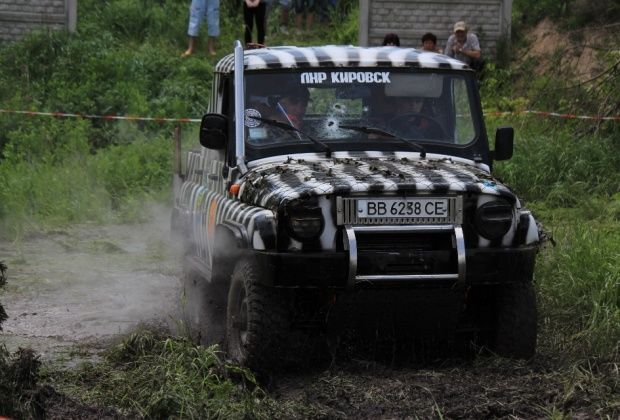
<point>177,151</point>
<point>177,177</point>
<point>239,109</point>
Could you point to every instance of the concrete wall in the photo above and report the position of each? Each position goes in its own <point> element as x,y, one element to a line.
<point>20,17</point>
<point>410,19</point>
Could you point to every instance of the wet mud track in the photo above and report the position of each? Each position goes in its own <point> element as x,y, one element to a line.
<point>487,387</point>
<point>87,285</point>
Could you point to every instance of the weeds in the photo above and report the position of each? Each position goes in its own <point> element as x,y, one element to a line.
<point>153,376</point>
<point>19,373</point>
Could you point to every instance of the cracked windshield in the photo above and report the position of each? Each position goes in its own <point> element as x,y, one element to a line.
<point>343,108</point>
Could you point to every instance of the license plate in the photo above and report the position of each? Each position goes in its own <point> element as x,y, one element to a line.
<point>403,207</point>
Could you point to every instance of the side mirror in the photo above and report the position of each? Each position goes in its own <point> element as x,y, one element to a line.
<point>213,131</point>
<point>504,139</point>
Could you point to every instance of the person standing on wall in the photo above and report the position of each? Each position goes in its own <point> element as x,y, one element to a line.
<point>200,10</point>
<point>285,6</point>
<point>304,7</point>
<point>254,10</point>
<point>464,46</point>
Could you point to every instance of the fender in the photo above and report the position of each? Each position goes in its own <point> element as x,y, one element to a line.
<point>238,232</point>
<point>231,238</point>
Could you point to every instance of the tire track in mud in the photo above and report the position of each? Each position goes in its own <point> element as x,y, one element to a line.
<point>88,284</point>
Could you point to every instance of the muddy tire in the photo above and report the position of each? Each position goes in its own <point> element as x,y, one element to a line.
<point>204,310</point>
<point>256,322</point>
<point>515,334</point>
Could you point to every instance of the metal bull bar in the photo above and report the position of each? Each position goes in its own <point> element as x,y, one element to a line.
<point>351,244</point>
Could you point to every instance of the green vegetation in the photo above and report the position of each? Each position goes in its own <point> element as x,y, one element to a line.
<point>18,382</point>
<point>573,186</point>
<point>572,13</point>
<point>124,60</point>
<point>154,377</point>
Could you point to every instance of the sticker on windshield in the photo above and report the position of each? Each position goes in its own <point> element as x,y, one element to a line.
<point>248,120</point>
<point>337,77</point>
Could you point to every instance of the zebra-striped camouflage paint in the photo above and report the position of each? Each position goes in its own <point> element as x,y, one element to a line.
<point>275,182</point>
<point>339,56</point>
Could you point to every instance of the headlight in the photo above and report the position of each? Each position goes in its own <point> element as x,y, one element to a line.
<point>305,224</point>
<point>493,219</point>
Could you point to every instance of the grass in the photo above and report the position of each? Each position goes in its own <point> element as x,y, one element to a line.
<point>124,59</point>
<point>148,375</point>
<point>572,183</point>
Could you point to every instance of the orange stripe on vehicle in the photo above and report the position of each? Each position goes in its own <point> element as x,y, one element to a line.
<point>212,218</point>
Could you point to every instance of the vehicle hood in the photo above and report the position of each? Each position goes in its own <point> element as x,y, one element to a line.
<point>274,184</point>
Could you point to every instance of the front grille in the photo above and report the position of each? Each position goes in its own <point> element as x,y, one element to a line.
<point>405,253</point>
<point>346,208</point>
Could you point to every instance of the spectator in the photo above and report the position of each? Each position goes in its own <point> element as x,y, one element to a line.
<point>301,7</point>
<point>325,9</point>
<point>391,40</point>
<point>429,43</point>
<point>200,10</point>
<point>254,10</point>
<point>464,46</point>
<point>284,16</point>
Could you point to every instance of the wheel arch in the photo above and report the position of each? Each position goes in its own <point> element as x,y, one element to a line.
<point>231,239</point>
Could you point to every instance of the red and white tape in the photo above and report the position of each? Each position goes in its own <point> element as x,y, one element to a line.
<point>195,120</point>
<point>99,117</point>
<point>554,114</point>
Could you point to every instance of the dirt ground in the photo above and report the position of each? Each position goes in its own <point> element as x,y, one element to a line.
<point>579,48</point>
<point>86,285</point>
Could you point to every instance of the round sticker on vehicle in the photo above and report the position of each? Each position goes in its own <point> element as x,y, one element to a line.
<point>248,120</point>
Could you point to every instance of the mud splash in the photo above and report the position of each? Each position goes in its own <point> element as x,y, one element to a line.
<point>88,284</point>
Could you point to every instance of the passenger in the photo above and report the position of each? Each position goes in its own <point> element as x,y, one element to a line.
<point>464,46</point>
<point>391,40</point>
<point>429,43</point>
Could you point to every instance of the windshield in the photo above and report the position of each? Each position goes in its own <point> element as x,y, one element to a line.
<point>331,105</point>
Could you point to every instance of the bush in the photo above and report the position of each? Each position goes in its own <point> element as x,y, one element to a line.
<point>19,373</point>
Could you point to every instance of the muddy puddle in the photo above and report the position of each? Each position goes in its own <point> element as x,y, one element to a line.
<point>83,286</point>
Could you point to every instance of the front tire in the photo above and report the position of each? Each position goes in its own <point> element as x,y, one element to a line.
<point>257,320</point>
<point>205,310</point>
<point>515,334</point>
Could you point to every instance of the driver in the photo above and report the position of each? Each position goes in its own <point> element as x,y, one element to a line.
<point>415,119</point>
<point>291,106</point>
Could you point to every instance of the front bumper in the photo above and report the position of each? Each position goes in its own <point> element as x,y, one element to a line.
<point>330,269</point>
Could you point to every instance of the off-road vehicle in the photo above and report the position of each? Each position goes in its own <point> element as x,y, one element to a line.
<point>335,175</point>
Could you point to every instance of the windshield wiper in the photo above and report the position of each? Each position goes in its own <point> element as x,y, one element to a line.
<point>288,127</point>
<point>375,130</point>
